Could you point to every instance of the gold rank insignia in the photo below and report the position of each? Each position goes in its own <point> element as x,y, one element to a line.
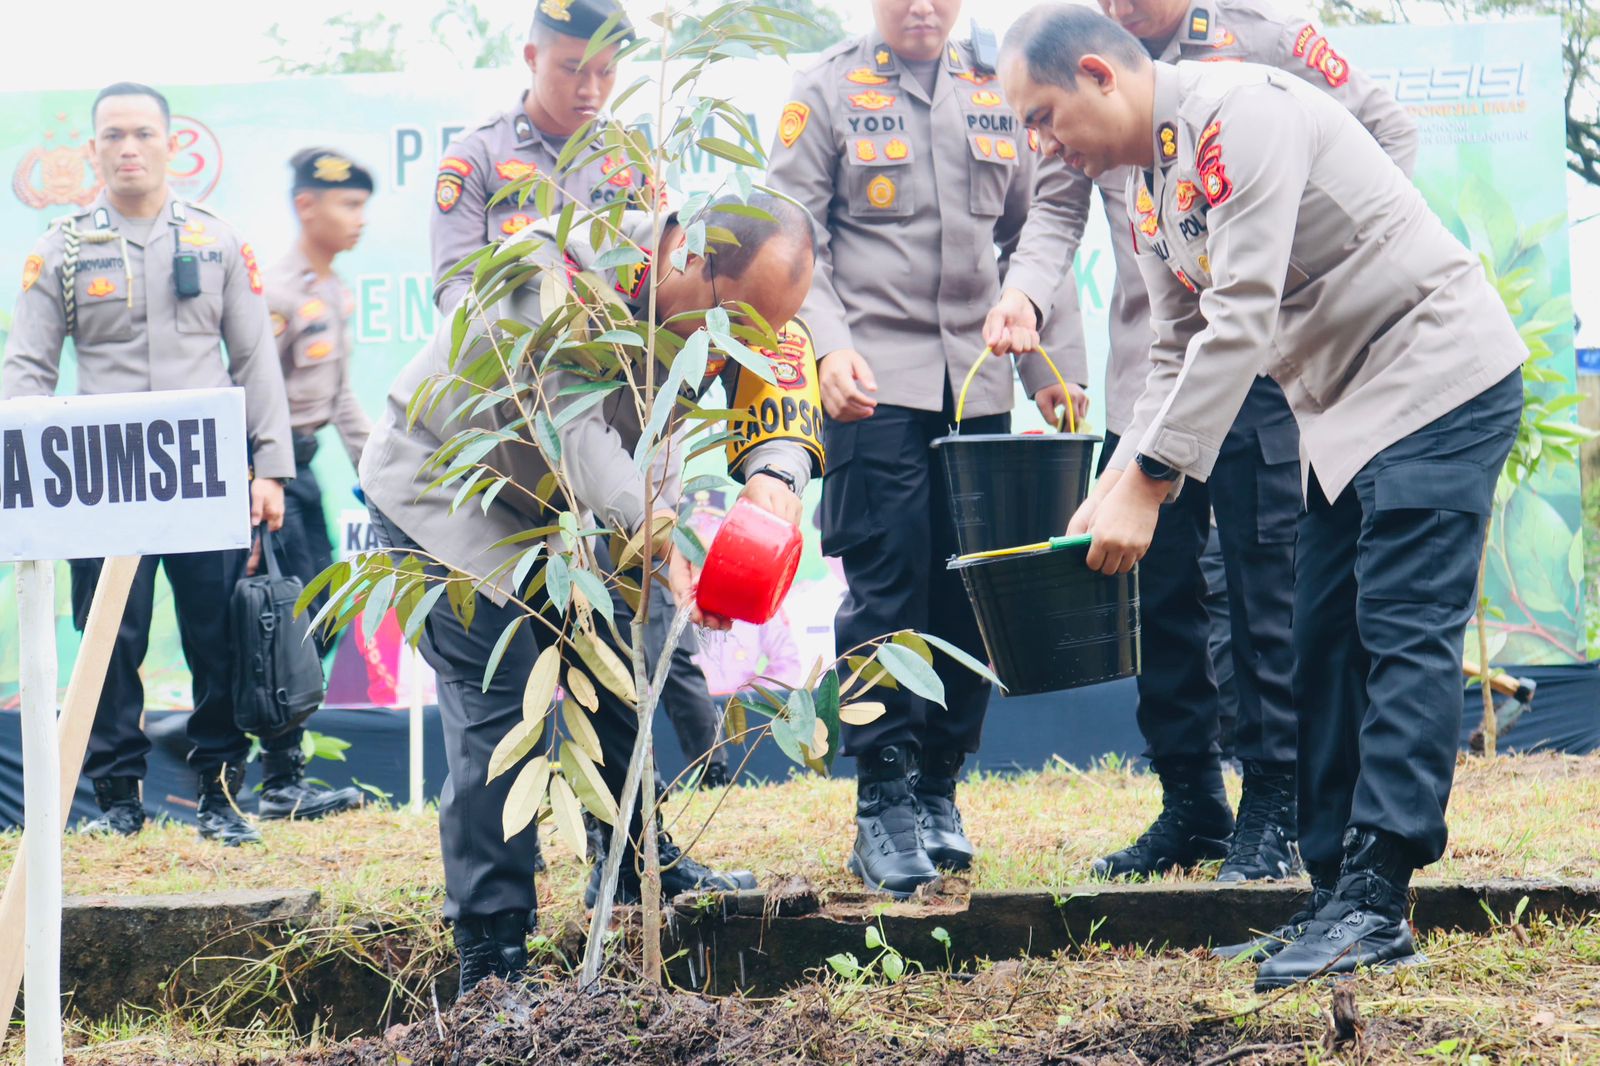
<point>1142,202</point>
<point>1185,195</point>
<point>985,145</point>
<point>320,350</point>
<point>864,76</point>
<point>312,310</point>
<point>871,100</point>
<point>332,168</point>
<point>279,324</point>
<point>896,149</point>
<point>1169,141</point>
<point>955,57</point>
<point>882,58</point>
<point>557,9</point>
<point>866,151</point>
<point>32,267</point>
<point>881,192</point>
<point>793,123</point>
<point>1205,263</point>
<point>100,287</point>
<point>987,98</point>
<point>195,233</point>
<point>515,170</point>
<point>1199,24</point>
<point>1150,226</point>
<point>1005,148</point>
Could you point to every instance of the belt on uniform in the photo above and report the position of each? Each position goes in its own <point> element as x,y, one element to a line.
<point>305,449</point>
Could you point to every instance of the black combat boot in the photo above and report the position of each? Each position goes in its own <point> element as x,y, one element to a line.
<point>1194,825</point>
<point>219,819</point>
<point>679,873</point>
<point>888,853</point>
<point>1364,924</point>
<point>715,776</point>
<point>121,813</point>
<point>944,838</point>
<point>492,946</point>
<point>285,793</point>
<point>1323,882</point>
<point>1266,843</point>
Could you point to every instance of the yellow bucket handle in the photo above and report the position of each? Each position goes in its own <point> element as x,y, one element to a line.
<point>1071,416</point>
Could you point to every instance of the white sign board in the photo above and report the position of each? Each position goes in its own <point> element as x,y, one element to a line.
<point>147,473</point>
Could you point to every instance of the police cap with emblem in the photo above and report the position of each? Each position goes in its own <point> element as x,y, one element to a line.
<point>324,168</point>
<point>581,18</point>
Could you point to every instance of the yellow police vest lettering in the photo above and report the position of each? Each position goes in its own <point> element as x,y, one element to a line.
<point>789,410</point>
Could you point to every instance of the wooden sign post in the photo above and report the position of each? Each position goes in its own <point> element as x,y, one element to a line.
<point>116,476</point>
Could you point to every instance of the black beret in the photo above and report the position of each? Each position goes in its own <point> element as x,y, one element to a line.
<point>324,168</point>
<point>581,18</point>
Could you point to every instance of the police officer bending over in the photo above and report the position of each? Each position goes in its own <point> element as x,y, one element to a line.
<point>489,882</point>
<point>150,288</point>
<point>1254,492</point>
<point>1319,262</point>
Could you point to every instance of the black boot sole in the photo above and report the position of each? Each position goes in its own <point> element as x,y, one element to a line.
<point>1272,984</point>
<point>856,867</point>
<point>305,813</point>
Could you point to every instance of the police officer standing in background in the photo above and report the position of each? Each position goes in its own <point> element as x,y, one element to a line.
<point>150,288</point>
<point>901,144</point>
<point>1254,491</point>
<point>567,94</point>
<point>1320,263</point>
<point>310,308</point>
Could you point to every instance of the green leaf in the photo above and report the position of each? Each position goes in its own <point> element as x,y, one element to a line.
<point>582,731</point>
<point>1543,543</point>
<point>625,255</point>
<point>419,614</point>
<point>874,939</point>
<point>755,362</point>
<point>500,647</point>
<point>846,965</point>
<point>981,669</point>
<point>1575,559</point>
<point>906,667</point>
<point>688,542</point>
<point>788,741</point>
<point>894,966</point>
<point>605,666</point>
<point>568,813</point>
<point>378,601</point>
<point>525,798</point>
<point>523,738</point>
<point>549,440</point>
<point>801,714</point>
<point>733,153</point>
<point>558,582</point>
<point>581,773</point>
<point>595,591</point>
<point>524,564</point>
<point>540,691</point>
<point>826,699</point>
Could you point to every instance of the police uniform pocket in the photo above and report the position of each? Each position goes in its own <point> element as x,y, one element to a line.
<point>878,178</point>
<point>846,514</point>
<point>1423,540</point>
<point>993,161</point>
<point>202,313</point>
<point>104,316</point>
<point>1278,496</point>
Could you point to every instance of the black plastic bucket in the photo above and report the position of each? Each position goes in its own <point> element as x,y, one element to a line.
<point>1051,623</point>
<point>1014,488</point>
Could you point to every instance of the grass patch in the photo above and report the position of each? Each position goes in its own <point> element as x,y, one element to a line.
<point>1527,993</point>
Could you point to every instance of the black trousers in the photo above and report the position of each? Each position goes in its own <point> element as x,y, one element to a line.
<point>686,697</point>
<point>886,515</point>
<point>483,873</point>
<point>306,549</point>
<point>201,585</point>
<point>1254,491</point>
<point>1386,582</point>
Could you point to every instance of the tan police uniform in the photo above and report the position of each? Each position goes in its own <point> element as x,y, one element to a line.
<point>1254,492</point>
<point>485,874</point>
<point>508,148</point>
<point>107,282</point>
<point>1275,234</point>
<point>914,189</point>
<point>311,323</point>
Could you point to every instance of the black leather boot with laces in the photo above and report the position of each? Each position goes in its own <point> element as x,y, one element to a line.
<point>888,853</point>
<point>494,945</point>
<point>1323,882</point>
<point>1363,925</point>
<point>121,812</point>
<point>286,794</point>
<point>1194,825</point>
<point>679,873</point>
<point>944,837</point>
<point>1265,841</point>
<point>218,816</point>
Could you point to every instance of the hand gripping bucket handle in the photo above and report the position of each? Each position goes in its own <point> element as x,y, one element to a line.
<point>961,399</point>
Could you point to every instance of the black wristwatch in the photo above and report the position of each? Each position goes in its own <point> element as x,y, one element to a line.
<point>1155,469</point>
<point>787,479</point>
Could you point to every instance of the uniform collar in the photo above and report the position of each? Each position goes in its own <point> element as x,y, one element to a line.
<point>880,57</point>
<point>296,265</point>
<point>522,126</point>
<point>101,215</point>
<point>1164,124</point>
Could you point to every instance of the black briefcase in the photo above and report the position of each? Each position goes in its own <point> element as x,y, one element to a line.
<point>277,674</point>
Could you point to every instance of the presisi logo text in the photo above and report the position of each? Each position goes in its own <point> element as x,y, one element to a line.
<point>1474,81</point>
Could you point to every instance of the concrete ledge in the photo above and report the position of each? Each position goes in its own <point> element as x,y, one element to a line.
<point>760,942</point>
<point>120,951</point>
